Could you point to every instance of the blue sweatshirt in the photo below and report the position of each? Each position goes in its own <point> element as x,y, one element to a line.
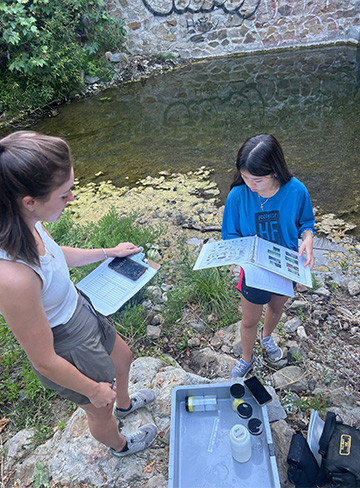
<point>284,218</point>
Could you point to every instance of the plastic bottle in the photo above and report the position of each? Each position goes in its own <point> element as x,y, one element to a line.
<point>240,443</point>
<point>203,403</point>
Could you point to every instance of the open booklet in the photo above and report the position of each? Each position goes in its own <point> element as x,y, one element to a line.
<point>267,266</point>
<point>109,290</point>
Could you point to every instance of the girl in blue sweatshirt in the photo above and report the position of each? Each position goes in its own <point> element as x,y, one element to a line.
<point>265,200</point>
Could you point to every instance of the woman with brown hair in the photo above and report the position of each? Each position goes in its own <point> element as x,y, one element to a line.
<point>72,349</point>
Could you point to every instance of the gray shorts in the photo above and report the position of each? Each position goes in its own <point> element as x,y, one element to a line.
<point>86,341</point>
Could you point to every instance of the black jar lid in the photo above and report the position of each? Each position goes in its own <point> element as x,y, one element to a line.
<point>255,426</point>
<point>245,410</point>
<point>237,390</point>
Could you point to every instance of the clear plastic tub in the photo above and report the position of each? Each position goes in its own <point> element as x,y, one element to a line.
<point>200,452</point>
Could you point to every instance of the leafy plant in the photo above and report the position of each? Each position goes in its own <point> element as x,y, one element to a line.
<point>314,403</point>
<point>45,47</point>
<point>293,403</point>
<point>315,283</point>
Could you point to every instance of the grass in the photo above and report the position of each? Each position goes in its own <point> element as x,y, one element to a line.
<point>207,292</point>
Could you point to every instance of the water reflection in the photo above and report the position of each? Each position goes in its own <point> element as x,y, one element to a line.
<point>200,114</point>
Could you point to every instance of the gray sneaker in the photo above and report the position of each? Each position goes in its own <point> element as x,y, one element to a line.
<point>242,368</point>
<point>141,398</point>
<point>138,440</point>
<point>273,350</point>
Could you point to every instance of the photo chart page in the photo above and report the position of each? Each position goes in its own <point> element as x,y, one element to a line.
<point>283,261</point>
<point>222,253</point>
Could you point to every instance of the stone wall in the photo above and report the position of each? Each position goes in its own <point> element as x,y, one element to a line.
<point>202,28</point>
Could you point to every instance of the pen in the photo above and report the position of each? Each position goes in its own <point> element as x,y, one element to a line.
<point>113,383</point>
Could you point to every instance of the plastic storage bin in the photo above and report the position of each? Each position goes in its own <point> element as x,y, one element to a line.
<point>200,451</point>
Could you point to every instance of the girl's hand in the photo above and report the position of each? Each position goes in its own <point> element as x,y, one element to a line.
<point>103,395</point>
<point>307,247</point>
<point>123,249</point>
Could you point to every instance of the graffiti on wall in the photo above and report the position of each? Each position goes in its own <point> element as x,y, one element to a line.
<point>242,8</point>
<point>203,24</point>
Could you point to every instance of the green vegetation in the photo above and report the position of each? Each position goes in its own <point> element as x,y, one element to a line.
<point>23,399</point>
<point>108,232</point>
<point>206,292</point>
<point>47,46</point>
<point>315,283</point>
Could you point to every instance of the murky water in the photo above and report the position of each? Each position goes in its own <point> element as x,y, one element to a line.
<point>200,115</point>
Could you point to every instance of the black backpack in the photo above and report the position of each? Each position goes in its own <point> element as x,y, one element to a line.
<point>303,468</point>
<point>339,446</point>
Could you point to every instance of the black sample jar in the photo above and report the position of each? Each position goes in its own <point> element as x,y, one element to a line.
<point>245,410</point>
<point>237,390</point>
<point>255,426</point>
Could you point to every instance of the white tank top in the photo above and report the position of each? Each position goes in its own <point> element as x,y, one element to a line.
<point>58,294</point>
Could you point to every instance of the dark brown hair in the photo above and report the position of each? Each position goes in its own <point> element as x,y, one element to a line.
<point>31,164</point>
<point>261,155</point>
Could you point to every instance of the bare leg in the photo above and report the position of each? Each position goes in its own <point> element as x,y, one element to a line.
<point>102,423</point>
<point>273,313</point>
<point>103,426</point>
<point>122,357</point>
<point>251,314</point>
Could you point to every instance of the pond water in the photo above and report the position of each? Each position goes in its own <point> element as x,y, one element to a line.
<point>200,115</point>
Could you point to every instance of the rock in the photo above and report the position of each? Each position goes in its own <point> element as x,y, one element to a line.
<point>282,434</point>
<point>301,332</point>
<point>155,293</point>
<point>298,304</point>
<point>322,291</point>
<point>292,325</point>
<point>232,338</point>
<point>211,364</point>
<point>19,445</point>
<point>157,319</point>
<point>290,378</point>
<point>295,354</point>
<point>194,342</point>
<point>90,80</point>
<point>119,58</point>
<point>197,325</point>
<point>153,331</point>
<point>353,287</point>
<point>218,339</point>
<point>146,304</point>
<point>274,408</point>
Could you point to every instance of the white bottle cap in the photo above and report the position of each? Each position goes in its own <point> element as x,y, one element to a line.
<point>240,443</point>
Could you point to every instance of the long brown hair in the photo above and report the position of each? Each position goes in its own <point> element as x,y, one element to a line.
<point>31,164</point>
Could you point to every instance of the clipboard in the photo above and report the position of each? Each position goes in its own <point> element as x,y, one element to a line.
<point>108,290</point>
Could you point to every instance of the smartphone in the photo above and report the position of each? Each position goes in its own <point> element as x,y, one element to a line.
<point>258,390</point>
<point>127,267</point>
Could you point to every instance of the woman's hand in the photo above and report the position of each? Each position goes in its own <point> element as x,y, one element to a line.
<point>307,247</point>
<point>103,395</point>
<point>76,257</point>
<point>123,249</point>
